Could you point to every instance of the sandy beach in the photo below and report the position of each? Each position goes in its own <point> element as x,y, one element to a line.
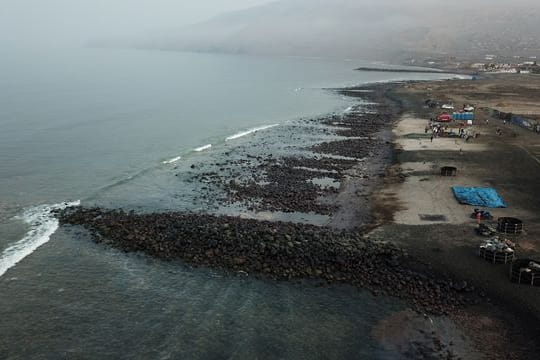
<point>446,241</point>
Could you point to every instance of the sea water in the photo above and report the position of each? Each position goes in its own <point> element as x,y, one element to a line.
<point>113,127</point>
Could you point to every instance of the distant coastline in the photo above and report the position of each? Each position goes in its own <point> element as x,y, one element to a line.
<point>419,70</point>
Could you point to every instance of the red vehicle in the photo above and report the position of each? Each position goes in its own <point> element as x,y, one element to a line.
<point>444,118</point>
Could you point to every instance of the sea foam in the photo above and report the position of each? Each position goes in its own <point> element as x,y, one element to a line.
<point>173,160</point>
<point>251,131</point>
<point>42,225</point>
<point>202,148</point>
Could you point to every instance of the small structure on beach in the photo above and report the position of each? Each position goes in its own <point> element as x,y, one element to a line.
<point>509,225</point>
<point>484,229</point>
<point>463,116</point>
<point>525,271</point>
<point>448,171</point>
<point>496,251</point>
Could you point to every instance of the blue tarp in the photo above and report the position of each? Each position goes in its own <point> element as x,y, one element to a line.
<point>485,197</point>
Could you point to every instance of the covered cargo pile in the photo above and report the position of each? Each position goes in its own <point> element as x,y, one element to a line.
<point>525,271</point>
<point>497,251</point>
<point>485,230</point>
<point>482,214</point>
<point>485,197</point>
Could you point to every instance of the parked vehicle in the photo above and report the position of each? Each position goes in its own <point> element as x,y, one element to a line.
<point>444,118</point>
<point>432,103</point>
<point>447,106</point>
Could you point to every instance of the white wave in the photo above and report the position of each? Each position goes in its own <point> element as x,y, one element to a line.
<point>173,160</point>
<point>251,131</point>
<point>202,148</point>
<point>42,225</point>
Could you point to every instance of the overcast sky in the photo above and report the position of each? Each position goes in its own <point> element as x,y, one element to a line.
<point>76,21</point>
<point>314,23</point>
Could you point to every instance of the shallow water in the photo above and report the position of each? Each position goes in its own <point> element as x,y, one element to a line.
<point>122,128</point>
<point>93,302</point>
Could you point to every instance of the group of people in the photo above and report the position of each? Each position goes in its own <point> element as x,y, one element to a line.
<point>436,129</point>
<point>466,135</point>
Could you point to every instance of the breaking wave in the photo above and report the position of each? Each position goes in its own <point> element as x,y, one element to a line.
<point>202,148</point>
<point>42,225</point>
<point>173,160</point>
<point>251,131</point>
<point>229,138</point>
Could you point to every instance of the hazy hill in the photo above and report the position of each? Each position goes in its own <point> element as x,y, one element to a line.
<point>366,29</point>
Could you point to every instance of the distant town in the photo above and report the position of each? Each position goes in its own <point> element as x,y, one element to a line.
<point>488,64</point>
<point>519,66</point>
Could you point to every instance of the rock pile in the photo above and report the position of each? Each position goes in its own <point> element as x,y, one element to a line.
<point>285,189</point>
<point>274,249</point>
<point>354,148</point>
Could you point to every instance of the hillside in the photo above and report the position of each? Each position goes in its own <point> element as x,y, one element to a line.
<point>363,29</point>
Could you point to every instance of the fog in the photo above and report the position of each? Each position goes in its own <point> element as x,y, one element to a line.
<point>376,29</point>
<point>341,28</point>
<point>75,22</point>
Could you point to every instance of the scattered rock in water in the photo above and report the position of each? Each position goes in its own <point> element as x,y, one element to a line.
<point>284,183</point>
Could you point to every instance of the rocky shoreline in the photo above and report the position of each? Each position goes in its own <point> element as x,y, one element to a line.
<point>282,250</point>
<point>275,250</point>
<point>288,183</point>
<point>354,152</point>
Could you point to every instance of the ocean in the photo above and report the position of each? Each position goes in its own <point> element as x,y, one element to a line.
<point>121,128</point>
